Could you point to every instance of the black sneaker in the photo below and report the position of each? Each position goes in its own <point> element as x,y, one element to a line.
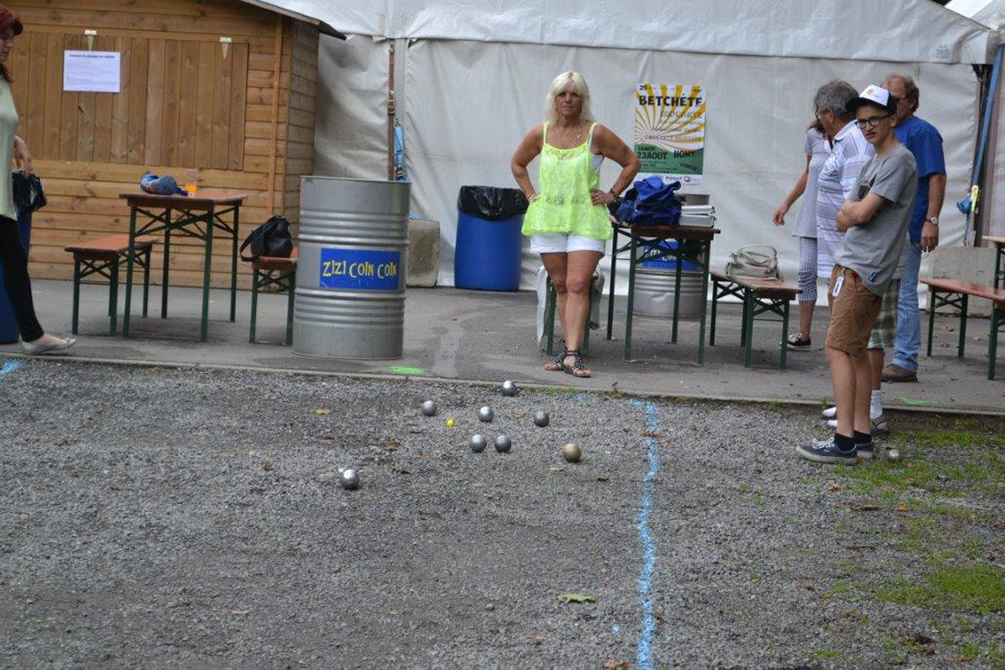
<point>826,451</point>
<point>796,342</point>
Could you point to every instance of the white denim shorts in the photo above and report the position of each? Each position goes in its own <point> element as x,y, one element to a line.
<point>557,243</point>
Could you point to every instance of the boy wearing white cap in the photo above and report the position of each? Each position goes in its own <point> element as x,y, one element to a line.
<point>875,220</point>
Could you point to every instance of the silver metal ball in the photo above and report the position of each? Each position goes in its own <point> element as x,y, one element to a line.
<point>892,455</point>
<point>572,453</point>
<point>485,414</point>
<point>478,443</point>
<point>541,418</point>
<point>508,388</point>
<point>503,443</point>
<point>350,479</point>
<point>429,408</point>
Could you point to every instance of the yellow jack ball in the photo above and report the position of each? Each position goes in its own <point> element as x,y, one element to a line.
<point>450,423</point>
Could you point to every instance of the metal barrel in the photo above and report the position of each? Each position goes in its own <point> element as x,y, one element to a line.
<point>353,245</point>
<point>654,291</point>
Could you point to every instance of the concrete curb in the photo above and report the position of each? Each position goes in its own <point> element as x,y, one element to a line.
<point>930,409</point>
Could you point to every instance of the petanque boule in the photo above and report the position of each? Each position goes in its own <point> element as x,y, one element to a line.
<point>892,455</point>
<point>572,453</point>
<point>350,479</point>
<point>429,408</point>
<point>485,414</point>
<point>503,443</point>
<point>508,388</point>
<point>478,443</point>
<point>541,418</point>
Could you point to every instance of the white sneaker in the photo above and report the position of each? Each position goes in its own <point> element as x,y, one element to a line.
<point>830,412</point>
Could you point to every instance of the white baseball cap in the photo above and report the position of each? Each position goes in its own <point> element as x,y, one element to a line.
<point>874,95</point>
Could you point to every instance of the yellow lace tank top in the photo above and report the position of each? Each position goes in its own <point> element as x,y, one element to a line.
<point>563,205</point>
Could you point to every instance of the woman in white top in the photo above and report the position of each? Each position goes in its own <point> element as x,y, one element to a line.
<point>817,149</point>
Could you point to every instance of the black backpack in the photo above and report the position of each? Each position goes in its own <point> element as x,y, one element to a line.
<point>272,238</point>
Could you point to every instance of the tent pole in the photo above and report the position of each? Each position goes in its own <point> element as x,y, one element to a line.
<point>390,110</point>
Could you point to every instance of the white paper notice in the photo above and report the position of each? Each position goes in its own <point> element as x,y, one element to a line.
<point>92,71</point>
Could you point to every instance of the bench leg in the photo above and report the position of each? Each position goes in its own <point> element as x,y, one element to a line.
<point>254,305</point>
<point>113,297</point>
<point>715,301</point>
<point>706,260</point>
<point>292,284</point>
<point>743,320</point>
<point>631,298</point>
<point>76,293</point>
<point>963,325</point>
<point>207,278</point>
<point>748,328</point>
<point>933,302</point>
<point>610,295</point>
<point>676,294</point>
<point>146,283</point>
<point>166,271</point>
<point>996,315</point>
<point>785,333</point>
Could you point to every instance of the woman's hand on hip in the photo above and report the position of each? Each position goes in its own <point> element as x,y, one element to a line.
<point>601,197</point>
<point>22,156</point>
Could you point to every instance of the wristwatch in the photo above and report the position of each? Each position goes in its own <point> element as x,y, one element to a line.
<point>934,220</point>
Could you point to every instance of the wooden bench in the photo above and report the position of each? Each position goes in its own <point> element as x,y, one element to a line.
<point>955,293</point>
<point>102,257</point>
<point>758,297</point>
<point>280,273</point>
<point>998,243</point>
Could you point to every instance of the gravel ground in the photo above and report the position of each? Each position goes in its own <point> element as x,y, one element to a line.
<point>161,517</point>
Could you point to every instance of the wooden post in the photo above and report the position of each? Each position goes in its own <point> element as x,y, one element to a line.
<point>273,140</point>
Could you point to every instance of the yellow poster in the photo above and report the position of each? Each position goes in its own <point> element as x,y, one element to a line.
<point>670,131</point>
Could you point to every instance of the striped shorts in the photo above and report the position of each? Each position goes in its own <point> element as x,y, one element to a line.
<point>885,330</point>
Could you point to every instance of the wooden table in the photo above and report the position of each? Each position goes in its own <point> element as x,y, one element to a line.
<point>694,245</point>
<point>192,216</point>
<point>999,244</point>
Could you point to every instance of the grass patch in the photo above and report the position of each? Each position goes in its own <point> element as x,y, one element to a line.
<point>822,654</point>
<point>969,588</point>
<point>996,656</point>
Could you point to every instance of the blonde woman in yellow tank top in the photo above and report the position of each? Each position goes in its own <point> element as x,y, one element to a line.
<point>567,219</point>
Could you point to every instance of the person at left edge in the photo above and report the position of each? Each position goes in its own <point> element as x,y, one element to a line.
<point>34,340</point>
<point>567,220</point>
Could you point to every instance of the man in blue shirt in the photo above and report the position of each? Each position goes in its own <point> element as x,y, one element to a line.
<point>925,143</point>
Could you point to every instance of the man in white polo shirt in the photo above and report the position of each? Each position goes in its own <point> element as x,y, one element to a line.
<point>876,218</point>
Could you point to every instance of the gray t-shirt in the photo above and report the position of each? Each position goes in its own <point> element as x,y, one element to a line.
<point>873,249</point>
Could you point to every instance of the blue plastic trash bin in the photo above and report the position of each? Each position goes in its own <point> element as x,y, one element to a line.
<point>8,324</point>
<point>487,251</point>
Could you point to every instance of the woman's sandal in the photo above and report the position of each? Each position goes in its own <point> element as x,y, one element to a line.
<point>557,364</point>
<point>578,368</point>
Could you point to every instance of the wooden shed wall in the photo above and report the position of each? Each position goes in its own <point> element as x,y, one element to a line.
<point>183,105</point>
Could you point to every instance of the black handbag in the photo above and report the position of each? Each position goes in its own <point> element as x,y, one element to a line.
<point>272,238</point>
<point>28,193</point>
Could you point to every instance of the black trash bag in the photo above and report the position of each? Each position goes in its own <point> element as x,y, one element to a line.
<point>491,203</point>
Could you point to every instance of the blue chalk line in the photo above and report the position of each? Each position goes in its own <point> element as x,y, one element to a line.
<point>643,657</point>
<point>9,366</point>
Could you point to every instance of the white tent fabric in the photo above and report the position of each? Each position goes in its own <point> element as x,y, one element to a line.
<point>471,81</point>
<point>922,31</point>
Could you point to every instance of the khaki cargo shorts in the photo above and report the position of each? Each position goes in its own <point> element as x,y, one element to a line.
<point>854,309</point>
